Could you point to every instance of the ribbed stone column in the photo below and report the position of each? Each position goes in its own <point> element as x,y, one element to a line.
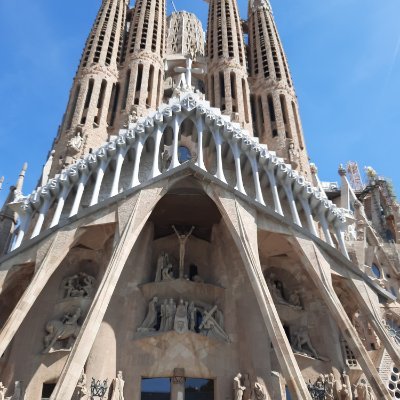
<point>274,106</point>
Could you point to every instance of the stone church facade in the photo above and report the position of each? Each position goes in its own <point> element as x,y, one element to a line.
<point>181,245</point>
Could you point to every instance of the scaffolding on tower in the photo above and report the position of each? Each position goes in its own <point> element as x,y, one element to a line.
<point>355,178</point>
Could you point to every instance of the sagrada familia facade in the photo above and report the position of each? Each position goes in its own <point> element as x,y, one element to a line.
<point>180,245</point>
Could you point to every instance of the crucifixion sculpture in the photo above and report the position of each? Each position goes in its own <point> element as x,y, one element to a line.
<point>182,237</point>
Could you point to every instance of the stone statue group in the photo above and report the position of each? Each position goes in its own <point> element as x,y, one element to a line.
<point>243,389</point>
<point>326,387</point>
<point>83,391</point>
<point>183,316</point>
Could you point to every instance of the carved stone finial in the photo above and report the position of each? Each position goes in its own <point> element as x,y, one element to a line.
<point>342,170</point>
<point>314,169</point>
<point>1,182</point>
<point>21,178</point>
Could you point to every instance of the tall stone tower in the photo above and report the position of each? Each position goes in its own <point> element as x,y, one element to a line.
<point>141,86</point>
<point>274,106</point>
<point>227,67</point>
<point>85,122</point>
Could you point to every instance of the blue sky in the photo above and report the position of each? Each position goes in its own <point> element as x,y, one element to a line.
<point>343,54</point>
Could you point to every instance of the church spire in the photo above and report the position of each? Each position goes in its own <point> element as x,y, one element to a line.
<point>142,72</point>
<point>227,86</point>
<point>85,121</point>
<point>274,104</point>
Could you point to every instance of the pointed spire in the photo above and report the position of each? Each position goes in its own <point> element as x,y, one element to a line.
<point>21,178</point>
<point>254,4</point>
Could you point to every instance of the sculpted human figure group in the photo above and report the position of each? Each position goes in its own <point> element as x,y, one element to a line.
<point>184,316</point>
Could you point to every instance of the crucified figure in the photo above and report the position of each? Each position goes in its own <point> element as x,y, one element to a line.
<point>182,243</point>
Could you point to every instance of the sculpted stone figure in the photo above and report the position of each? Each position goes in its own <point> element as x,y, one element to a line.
<point>302,342</point>
<point>364,391</point>
<point>238,388</point>
<point>163,312</point>
<point>181,317</point>
<point>210,327</point>
<point>150,321</point>
<point>118,393</point>
<point>259,392</point>
<point>78,285</point>
<point>294,299</point>
<point>3,391</point>
<point>83,391</point>
<point>66,329</point>
<point>170,315</point>
<point>192,316</point>
<point>182,244</point>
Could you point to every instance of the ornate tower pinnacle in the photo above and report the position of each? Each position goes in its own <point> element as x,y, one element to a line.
<point>227,86</point>
<point>85,122</point>
<point>274,104</point>
<point>141,85</point>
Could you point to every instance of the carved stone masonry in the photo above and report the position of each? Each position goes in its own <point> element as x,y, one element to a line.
<point>79,285</point>
<point>61,333</point>
<point>166,315</point>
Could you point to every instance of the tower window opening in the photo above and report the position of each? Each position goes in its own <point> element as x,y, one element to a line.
<point>138,83</point>
<point>113,104</point>
<point>245,102</point>
<point>285,116</point>
<point>89,94</point>
<point>233,85</point>
<point>73,107</point>
<point>297,122</point>
<point>376,271</point>
<point>100,101</point>
<point>254,115</point>
<point>222,85</point>
<point>150,84</point>
<point>271,108</point>
<point>159,88</point>
<point>126,89</point>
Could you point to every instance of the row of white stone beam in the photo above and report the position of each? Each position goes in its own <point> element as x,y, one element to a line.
<point>34,208</point>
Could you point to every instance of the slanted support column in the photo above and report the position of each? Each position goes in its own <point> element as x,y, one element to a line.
<point>318,269</point>
<point>369,308</point>
<point>59,248</point>
<point>99,180</point>
<point>141,210</point>
<point>243,228</point>
<point>238,168</point>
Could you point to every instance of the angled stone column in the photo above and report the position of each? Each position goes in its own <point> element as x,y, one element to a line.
<point>368,307</point>
<point>318,269</point>
<point>134,215</point>
<point>242,225</point>
<point>59,248</point>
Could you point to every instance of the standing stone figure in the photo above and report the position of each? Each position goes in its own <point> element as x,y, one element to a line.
<point>301,340</point>
<point>181,317</point>
<point>160,266</point>
<point>192,316</point>
<point>151,318</point>
<point>3,391</point>
<point>163,322</point>
<point>82,388</point>
<point>118,393</point>
<point>182,244</point>
<point>238,389</point>
<point>170,315</point>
